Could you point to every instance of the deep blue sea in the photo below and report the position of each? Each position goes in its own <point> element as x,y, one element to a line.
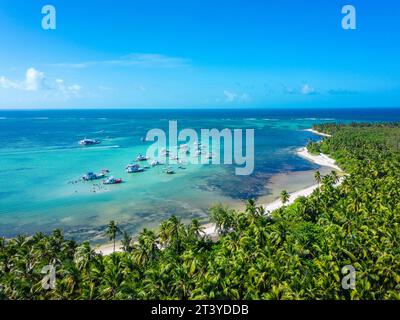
<point>41,164</point>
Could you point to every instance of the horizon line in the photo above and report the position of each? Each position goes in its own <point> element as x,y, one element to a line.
<point>191,108</point>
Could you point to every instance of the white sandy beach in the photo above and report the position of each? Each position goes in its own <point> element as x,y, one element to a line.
<point>321,159</point>
<point>318,133</point>
<point>209,229</point>
<point>108,248</point>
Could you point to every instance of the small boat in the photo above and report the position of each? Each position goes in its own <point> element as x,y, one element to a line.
<point>112,180</point>
<point>172,157</point>
<point>92,176</point>
<point>88,142</point>
<point>133,168</point>
<point>165,152</point>
<point>169,171</point>
<point>155,163</point>
<point>185,151</point>
<point>141,157</point>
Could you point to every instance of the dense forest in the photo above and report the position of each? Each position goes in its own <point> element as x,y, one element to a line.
<point>296,252</point>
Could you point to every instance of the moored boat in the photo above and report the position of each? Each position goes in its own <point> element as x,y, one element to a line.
<point>169,170</point>
<point>155,163</point>
<point>141,157</point>
<point>112,180</point>
<point>93,176</point>
<point>133,168</point>
<point>88,142</point>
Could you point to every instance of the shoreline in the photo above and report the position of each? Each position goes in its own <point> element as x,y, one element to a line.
<point>318,133</point>
<point>322,160</point>
<point>210,230</point>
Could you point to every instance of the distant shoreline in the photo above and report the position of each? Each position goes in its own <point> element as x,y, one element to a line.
<point>210,229</point>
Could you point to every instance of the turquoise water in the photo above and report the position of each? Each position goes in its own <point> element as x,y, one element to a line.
<point>41,164</point>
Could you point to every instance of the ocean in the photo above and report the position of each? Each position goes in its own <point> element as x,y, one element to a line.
<point>41,164</point>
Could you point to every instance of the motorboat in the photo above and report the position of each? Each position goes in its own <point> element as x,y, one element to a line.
<point>169,170</point>
<point>112,180</point>
<point>155,163</point>
<point>164,152</point>
<point>185,151</point>
<point>88,142</point>
<point>141,157</point>
<point>92,176</point>
<point>133,168</point>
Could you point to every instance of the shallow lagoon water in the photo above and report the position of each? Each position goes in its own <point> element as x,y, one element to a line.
<point>41,163</point>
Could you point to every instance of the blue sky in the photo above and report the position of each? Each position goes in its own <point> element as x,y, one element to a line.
<point>236,53</point>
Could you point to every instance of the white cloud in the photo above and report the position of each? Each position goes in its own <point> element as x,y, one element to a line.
<point>229,96</point>
<point>307,90</point>
<point>288,89</point>
<point>153,60</point>
<point>67,91</point>
<point>8,84</point>
<point>235,97</point>
<point>34,80</point>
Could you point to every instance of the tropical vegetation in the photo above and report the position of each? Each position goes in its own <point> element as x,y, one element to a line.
<point>296,252</point>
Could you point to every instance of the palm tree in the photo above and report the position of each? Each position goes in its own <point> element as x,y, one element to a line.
<point>126,242</point>
<point>147,247</point>
<point>222,217</point>
<point>335,176</point>
<point>318,177</point>
<point>84,255</point>
<point>284,197</point>
<point>195,229</point>
<point>112,231</point>
<point>175,231</point>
